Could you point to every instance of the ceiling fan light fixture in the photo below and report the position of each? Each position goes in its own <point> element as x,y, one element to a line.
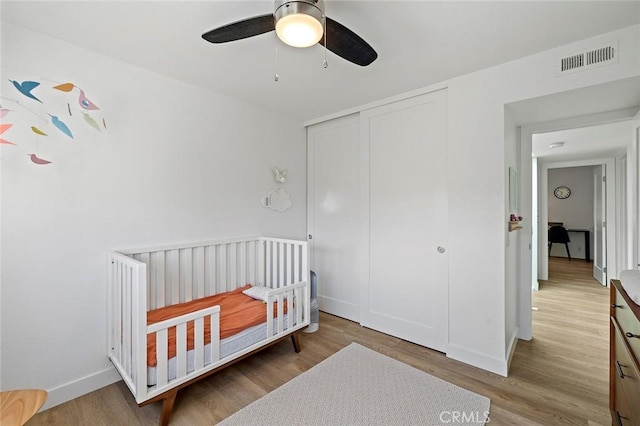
<point>299,23</point>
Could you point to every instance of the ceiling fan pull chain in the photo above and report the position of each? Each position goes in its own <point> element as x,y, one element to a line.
<point>325,64</point>
<point>276,77</point>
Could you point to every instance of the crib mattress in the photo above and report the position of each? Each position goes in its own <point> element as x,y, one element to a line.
<point>242,324</point>
<point>228,346</point>
<point>237,313</point>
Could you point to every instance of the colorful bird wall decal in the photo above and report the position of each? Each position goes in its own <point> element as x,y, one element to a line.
<point>86,103</point>
<point>82,98</point>
<point>93,123</point>
<point>4,128</point>
<point>38,160</point>
<point>51,110</point>
<point>26,87</point>
<point>61,126</point>
<point>37,131</point>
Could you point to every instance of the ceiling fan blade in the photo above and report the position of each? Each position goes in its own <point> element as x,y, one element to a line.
<point>241,29</point>
<point>347,44</point>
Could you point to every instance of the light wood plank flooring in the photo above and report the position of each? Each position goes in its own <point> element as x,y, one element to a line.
<point>560,377</point>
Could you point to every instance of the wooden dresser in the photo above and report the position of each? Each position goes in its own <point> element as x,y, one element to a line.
<point>624,393</point>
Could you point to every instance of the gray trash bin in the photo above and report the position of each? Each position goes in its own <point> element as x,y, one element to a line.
<point>314,321</point>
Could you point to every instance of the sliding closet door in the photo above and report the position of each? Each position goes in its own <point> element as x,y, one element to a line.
<point>334,214</point>
<point>407,288</point>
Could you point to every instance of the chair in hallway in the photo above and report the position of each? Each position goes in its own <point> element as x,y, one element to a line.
<point>558,234</point>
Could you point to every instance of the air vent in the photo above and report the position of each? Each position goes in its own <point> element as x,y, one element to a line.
<point>587,59</point>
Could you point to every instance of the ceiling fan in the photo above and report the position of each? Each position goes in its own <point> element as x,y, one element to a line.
<point>300,23</point>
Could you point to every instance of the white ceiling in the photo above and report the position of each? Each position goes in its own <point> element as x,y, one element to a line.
<point>599,141</point>
<point>419,43</point>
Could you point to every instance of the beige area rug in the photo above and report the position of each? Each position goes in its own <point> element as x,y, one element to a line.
<point>358,386</point>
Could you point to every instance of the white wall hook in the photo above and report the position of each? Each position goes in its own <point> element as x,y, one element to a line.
<point>280,176</point>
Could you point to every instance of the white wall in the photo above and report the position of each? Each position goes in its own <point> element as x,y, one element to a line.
<point>575,212</point>
<point>477,183</point>
<point>176,164</point>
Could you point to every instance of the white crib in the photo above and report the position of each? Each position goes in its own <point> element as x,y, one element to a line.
<point>151,278</point>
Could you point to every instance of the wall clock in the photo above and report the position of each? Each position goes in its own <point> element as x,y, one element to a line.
<point>562,192</point>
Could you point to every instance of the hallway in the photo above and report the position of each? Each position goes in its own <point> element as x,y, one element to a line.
<point>569,352</point>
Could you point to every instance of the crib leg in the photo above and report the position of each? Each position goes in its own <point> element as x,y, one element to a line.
<point>167,407</point>
<point>295,338</point>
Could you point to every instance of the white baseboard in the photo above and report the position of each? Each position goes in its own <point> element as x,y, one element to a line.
<point>82,386</point>
<point>512,347</point>
<point>339,308</point>
<point>477,359</point>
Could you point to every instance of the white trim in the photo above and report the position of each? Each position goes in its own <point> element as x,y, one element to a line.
<point>527,131</point>
<point>380,102</point>
<point>82,386</point>
<point>477,359</point>
<point>611,227</point>
<point>511,348</point>
<point>340,308</point>
<point>622,247</point>
<point>633,195</point>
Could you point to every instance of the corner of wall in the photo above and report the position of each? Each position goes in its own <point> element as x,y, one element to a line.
<point>477,359</point>
<point>79,387</point>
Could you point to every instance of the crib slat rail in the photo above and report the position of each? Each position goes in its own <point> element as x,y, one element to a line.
<point>150,278</point>
<point>127,318</point>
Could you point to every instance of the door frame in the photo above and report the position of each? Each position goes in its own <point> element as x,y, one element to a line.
<point>600,210</point>
<point>528,277</point>
<point>543,212</point>
<point>633,195</point>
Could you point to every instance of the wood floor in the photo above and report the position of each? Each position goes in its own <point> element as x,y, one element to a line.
<point>560,377</point>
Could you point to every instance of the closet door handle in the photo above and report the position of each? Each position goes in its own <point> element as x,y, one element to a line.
<point>620,372</point>
<point>616,306</point>
<point>631,335</point>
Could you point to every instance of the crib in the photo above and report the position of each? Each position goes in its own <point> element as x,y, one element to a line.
<point>148,279</point>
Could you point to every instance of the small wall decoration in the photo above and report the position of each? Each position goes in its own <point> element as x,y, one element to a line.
<point>4,128</point>
<point>36,114</point>
<point>280,176</point>
<point>26,87</point>
<point>37,160</point>
<point>562,192</point>
<point>278,200</point>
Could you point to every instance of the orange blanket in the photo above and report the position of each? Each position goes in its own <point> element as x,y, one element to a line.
<point>237,312</point>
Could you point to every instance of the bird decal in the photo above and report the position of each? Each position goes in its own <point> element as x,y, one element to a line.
<point>4,128</point>
<point>37,131</point>
<point>26,87</point>
<point>93,123</point>
<point>49,110</point>
<point>38,160</point>
<point>65,87</point>
<point>82,98</point>
<point>86,103</point>
<point>61,126</point>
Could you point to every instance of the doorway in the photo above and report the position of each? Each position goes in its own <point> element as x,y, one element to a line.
<point>547,114</point>
<point>589,212</point>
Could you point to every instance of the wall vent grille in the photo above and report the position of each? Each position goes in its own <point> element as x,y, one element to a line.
<point>587,59</point>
